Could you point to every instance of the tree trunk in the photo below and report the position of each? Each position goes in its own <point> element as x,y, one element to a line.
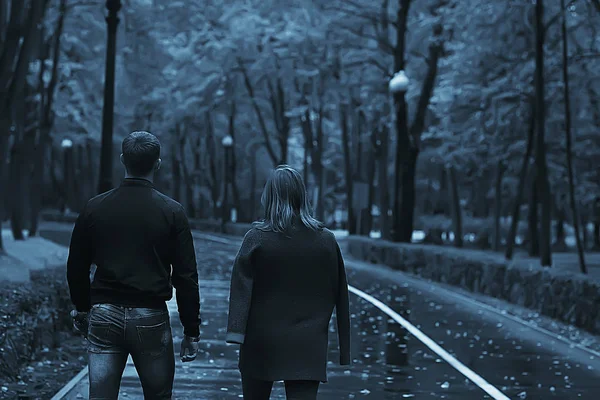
<point>16,188</point>
<point>358,173</point>
<point>347,168</point>
<point>259,115</point>
<point>233,178</point>
<point>368,221</point>
<point>10,46</point>
<point>584,234</point>
<point>534,246</point>
<point>211,152</point>
<point>408,144</point>
<point>3,180</point>
<point>56,183</point>
<point>560,244</point>
<point>90,176</point>
<point>441,205</point>
<point>240,216</point>
<point>252,215</point>
<point>498,205</point>
<point>320,187</point>
<point>514,224</point>
<point>187,179</point>
<point>305,163</point>
<point>573,202</point>
<point>357,141</point>
<point>540,154</point>
<point>37,182</point>
<point>384,196</point>
<point>484,204</point>
<point>17,77</point>
<point>401,226</point>
<point>37,172</point>
<point>475,198</point>
<point>79,183</point>
<point>456,209</point>
<point>407,195</point>
<point>44,141</point>
<point>317,167</point>
<point>176,173</point>
<point>68,169</point>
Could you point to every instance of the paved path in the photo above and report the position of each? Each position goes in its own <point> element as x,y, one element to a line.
<point>517,360</point>
<point>23,256</point>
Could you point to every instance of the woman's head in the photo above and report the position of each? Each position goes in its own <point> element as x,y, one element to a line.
<point>284,200</point>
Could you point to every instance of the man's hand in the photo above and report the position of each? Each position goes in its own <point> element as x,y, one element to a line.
<point>189,348</point>
<point>80,322</point>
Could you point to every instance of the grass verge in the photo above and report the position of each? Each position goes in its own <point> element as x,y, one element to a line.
<point>39,352</point>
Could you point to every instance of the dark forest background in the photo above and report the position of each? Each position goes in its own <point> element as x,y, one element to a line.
<point>499,123</point>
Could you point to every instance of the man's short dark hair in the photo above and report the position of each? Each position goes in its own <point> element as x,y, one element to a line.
<point>140,151</point>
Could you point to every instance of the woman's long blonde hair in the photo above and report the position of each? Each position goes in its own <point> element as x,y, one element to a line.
<point>284,199</point>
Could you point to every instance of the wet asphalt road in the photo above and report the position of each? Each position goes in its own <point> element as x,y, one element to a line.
<point>389,363</point>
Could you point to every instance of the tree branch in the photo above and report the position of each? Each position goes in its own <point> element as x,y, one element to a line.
<point>36,13</point>
<point>382,43</point>
<point>261,121</point>
<point>435,50</point>
<point>55,60</point>
<point>371,61</point>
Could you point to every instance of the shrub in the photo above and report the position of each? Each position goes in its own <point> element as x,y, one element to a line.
<point>33,316</point>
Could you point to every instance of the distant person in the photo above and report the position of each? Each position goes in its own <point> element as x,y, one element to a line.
<point>141,243</point>
<point>287,278</point>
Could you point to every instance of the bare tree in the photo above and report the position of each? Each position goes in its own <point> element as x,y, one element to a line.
<point>543,185</point>
<point>575,218</point>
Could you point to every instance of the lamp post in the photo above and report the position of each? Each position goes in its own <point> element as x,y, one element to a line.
<point>398,86</point>
<point>105,181</point>
<point>227,143</point>
<point>67,146</point>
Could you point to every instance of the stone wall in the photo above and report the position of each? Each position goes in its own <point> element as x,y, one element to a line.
<point>568,297</point>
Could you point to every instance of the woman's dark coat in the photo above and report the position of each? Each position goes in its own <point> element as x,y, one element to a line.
<point>282,296</point>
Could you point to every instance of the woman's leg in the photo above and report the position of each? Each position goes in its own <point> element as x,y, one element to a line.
<point>254,389</point>
<point>301,390</point>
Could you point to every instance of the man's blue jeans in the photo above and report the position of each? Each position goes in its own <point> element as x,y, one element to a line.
<point>114,333</point>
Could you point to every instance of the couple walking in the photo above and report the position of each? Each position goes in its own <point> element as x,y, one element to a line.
<point>287,278</point>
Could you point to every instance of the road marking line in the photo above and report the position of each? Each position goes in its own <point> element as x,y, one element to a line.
<point>456,295</point>
<point>427,341</point>
<point>71,384</point>
<point>455,363</point>
<point>453,292</point>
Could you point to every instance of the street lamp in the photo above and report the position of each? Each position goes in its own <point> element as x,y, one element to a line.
<point>67,146</point>
<point>227,143</point>
<point>399,83</point>
<point>106,154</point>
<point>398,86</point>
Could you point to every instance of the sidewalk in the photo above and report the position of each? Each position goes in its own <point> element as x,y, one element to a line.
<point>27,255</point>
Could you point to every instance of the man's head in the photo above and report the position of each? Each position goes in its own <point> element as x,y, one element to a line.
<point>141,152</point>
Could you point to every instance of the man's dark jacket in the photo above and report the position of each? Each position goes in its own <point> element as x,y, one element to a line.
<point>134,235</point>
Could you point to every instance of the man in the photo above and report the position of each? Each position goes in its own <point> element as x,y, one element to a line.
<point>141,243</point>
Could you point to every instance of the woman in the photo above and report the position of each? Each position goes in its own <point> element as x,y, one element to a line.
<point>287,278</point>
